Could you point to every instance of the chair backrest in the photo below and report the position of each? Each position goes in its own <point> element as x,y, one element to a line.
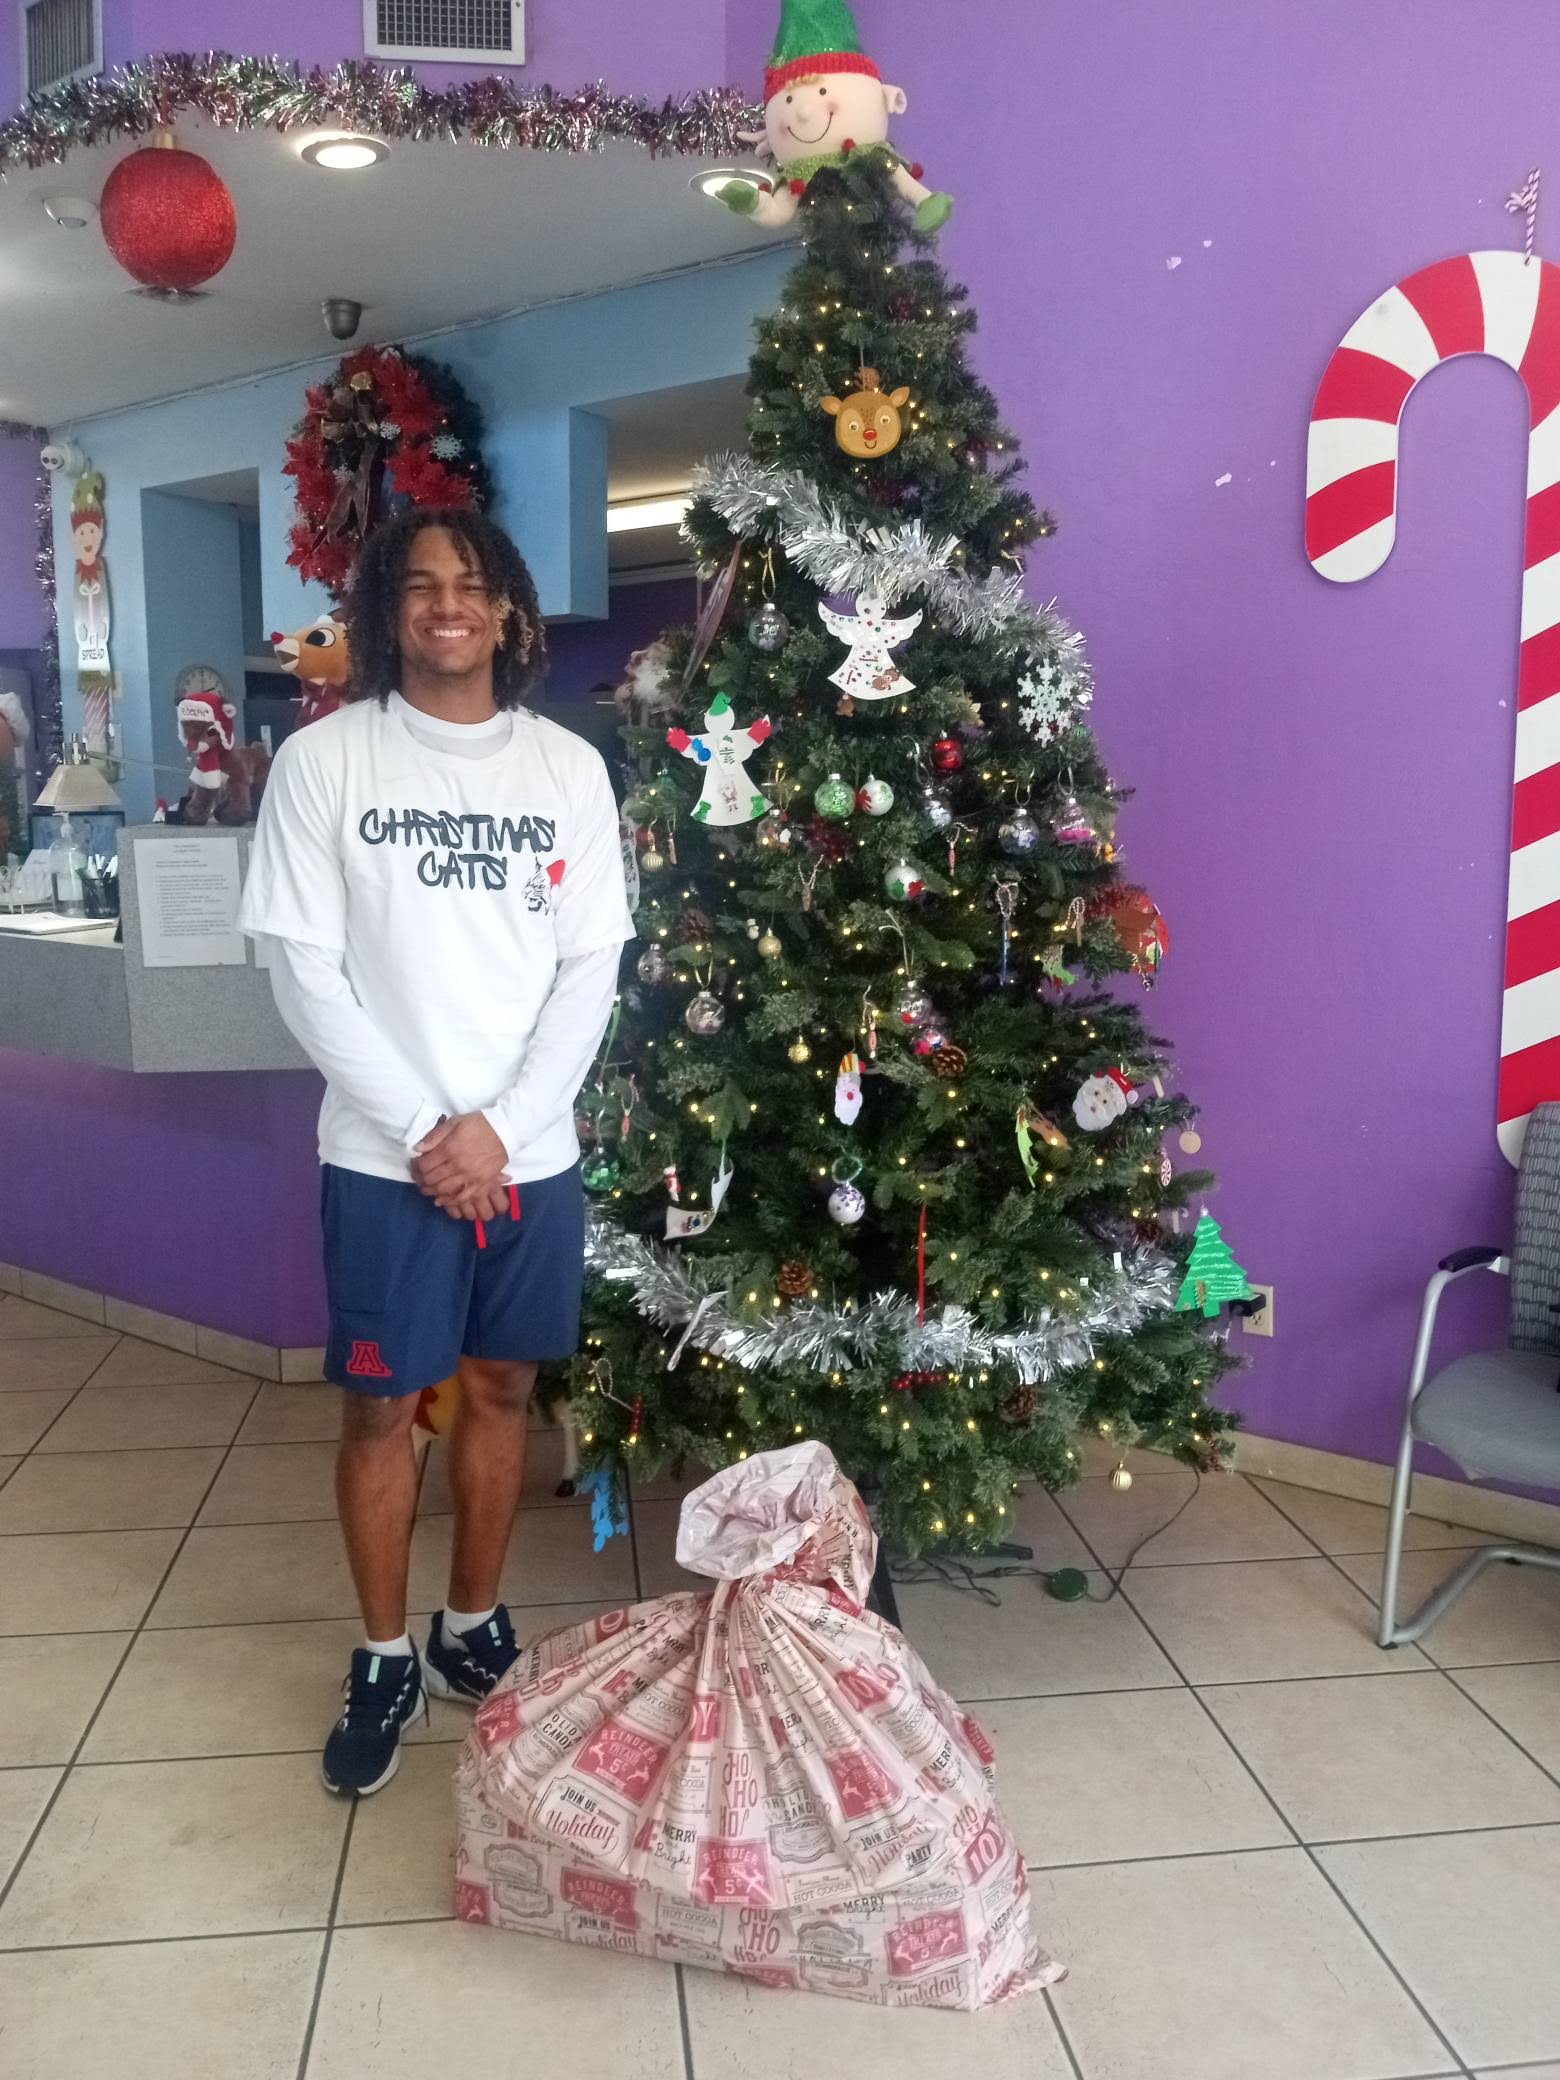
<point>1535,1254</point>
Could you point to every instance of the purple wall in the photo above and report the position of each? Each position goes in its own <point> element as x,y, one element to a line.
<point>21,601</point>
<point>1323,773</point>
<point>584,654</point>
<point>196,1195</point>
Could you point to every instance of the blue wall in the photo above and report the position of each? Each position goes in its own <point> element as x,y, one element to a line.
<point>534,376</point>
<point>191,554</point>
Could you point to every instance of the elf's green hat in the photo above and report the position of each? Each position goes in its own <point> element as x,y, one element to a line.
<point>815,37</point>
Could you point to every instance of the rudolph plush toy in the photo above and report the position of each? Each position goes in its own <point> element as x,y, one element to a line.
<point>319,657</point>
<point>824,99</point>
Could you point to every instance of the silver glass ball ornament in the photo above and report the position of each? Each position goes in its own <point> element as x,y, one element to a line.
<point>653,966</point>
<point>912,1005</point>
<point>846,1205</point>
<point>706,1014</point>
<point>1019,835</point>
<point>939,812</point>
<point>768,629</point>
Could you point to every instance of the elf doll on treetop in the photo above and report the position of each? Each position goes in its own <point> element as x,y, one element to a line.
<point>823,100</point>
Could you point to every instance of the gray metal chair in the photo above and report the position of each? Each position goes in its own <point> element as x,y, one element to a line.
<point>1496,1414</point>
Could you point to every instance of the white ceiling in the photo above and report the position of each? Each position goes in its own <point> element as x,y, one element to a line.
<point>436,235</point>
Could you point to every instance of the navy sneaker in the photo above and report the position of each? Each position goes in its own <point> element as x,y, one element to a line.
<point>364,1749</point>
<point>465,1674</point>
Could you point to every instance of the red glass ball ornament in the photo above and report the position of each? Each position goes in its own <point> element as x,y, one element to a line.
<point>168,219</point>
<point>947,755</point>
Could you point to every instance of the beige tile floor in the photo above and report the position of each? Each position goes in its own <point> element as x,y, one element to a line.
<point>1267,1850</point>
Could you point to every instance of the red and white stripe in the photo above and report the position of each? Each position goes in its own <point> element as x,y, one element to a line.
<point>1506,306</point>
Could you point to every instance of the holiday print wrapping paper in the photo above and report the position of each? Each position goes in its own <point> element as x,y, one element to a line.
<point>764,1780</point>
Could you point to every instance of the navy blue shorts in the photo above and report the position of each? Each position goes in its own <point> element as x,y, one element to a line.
<point>412,1290</point>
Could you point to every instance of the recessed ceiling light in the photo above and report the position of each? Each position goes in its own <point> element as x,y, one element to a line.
<point>345,154</point>
<point>714,178</point>
<point>646,512</point>
<point>70,212</point>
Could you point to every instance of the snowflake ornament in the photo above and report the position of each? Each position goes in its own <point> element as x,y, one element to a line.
<point>1051,699</point>
<point>389,430</point>
<point>446,446</point>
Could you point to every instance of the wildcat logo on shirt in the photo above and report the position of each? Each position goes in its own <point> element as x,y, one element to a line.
<point>471,851</point>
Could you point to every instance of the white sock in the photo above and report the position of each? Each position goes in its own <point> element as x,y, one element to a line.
<point>391,1647</point>
<point>457,1622</point>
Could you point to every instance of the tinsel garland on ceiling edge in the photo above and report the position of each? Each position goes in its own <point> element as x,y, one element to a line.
<point>835,1339</point>
<point>48,702</point>
<point>359,95</point>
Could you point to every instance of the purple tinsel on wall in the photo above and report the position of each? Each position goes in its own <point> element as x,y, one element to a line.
<point>48,702</point>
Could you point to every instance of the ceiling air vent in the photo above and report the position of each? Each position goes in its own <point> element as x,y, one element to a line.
<point>61,40</point>
<point>456,32</point>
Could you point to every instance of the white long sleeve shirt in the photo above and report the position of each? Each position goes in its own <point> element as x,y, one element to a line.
<point>318,1008</point>
<point>449,908</point>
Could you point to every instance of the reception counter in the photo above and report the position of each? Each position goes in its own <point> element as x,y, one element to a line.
<point>77,997</point>
<point>158,1164</point>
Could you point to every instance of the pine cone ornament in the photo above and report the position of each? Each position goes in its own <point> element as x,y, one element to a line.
<point>698,924</point>
<point>795,1280</point>
<point>949,1061</point>
<point>1019,1406</point>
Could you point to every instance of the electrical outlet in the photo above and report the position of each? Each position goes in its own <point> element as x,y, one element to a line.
<point>1261,1323</point>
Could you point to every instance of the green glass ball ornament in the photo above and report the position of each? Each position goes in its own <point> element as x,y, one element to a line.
<point>903,882</point>
<point>599,1172</point>
<point>835,799</point>
<point>653,966</point>
<point>874,797</point>
<point>768,629</point>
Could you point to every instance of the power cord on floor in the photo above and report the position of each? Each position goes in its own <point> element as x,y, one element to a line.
<point>1066,1584</point>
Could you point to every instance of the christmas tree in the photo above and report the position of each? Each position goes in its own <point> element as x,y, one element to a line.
<point>878,1139</point>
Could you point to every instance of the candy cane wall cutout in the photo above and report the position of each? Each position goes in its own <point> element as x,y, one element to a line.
<point>1480,303</point>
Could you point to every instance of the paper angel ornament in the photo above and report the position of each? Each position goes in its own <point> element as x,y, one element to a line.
<point>869,673</point>
<point>730,794</point>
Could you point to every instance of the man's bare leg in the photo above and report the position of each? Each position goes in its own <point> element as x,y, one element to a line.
<point>487,1467</point>
<point>376,1496</point>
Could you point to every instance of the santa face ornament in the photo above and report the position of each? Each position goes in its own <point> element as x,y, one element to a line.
<point>1102,1100</point>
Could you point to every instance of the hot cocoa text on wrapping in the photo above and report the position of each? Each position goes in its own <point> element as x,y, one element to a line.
<point>460,851</point>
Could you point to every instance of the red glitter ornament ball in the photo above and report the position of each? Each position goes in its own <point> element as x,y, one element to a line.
<point>947,755</point>
<point>168,219</point>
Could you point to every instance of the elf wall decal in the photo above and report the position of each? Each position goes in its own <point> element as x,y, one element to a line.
<point>1507,306</point>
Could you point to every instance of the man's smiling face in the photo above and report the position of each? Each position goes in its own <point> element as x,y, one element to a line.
<point>820,113</point>
<point>449,624</point>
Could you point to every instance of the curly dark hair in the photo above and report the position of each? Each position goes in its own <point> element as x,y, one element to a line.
<point>373,605</point>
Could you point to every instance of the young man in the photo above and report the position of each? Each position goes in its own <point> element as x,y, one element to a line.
<point>439,875</point>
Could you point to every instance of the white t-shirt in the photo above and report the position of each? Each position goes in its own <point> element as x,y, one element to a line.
<point>451,886</point>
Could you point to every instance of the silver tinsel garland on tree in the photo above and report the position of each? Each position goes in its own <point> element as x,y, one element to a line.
<point>669,1292</point>
<point>891,561</point>
<point>389,102</point>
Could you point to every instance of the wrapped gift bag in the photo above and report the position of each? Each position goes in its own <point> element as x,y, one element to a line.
<point>764,1780</point>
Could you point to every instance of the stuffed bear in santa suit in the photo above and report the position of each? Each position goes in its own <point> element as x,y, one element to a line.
<point>823,100</point>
